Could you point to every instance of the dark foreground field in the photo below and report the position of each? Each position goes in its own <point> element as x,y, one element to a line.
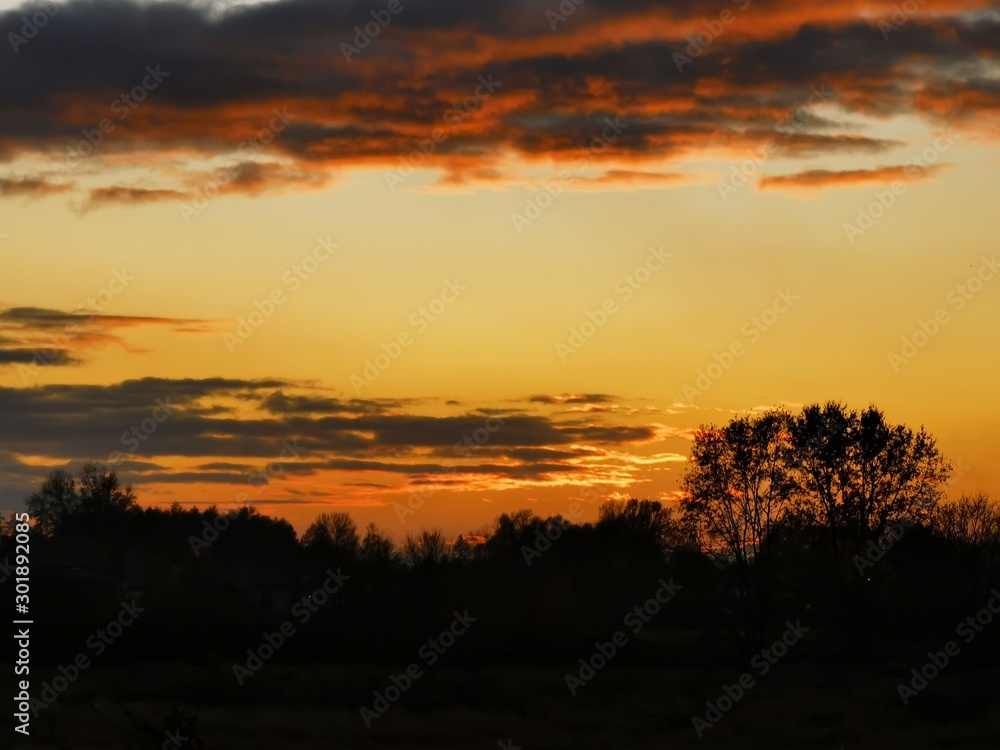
<point>793,706</point>
<point>259,639</point>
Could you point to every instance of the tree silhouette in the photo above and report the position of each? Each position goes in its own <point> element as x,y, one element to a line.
<point>973,519</point>
<point>333,535</point>
<point>510,531</point>
<point>425,550</point>
<point>642,520</point>
<point>54,503</point>
<point>778,506</point>
<point>377,548</point>
<point>739,486</point>
<point>971,528</point>
<point>93,498</point>
<point>859,474</point>
<point>100,491</point>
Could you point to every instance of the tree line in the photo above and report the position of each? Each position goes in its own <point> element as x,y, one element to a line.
<point>831,515</point>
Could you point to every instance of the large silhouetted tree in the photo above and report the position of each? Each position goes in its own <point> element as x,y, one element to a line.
<point>738,486</point>
<point>859,474</point>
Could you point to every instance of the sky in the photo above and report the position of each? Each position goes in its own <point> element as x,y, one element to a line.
<point>431,261</point>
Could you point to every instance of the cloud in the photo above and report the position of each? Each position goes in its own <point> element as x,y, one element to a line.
<point>57,337</point>
<point>519,96</point>
<point>253,178</point>
<point>625,178</point>
<point>224,430</point>
<point>280,403</point>
<point>129,196</point>
<point>572,398</point>
<point>55,358</point>
<point>593,408</point>
<point>31,187</point>
<point>42,318</point>
<point>820,178</point>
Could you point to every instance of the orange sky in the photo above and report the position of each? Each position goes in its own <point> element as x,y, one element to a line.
<point>486,259</point>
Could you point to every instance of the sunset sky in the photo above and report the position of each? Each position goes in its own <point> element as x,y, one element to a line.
<point>560,237</point>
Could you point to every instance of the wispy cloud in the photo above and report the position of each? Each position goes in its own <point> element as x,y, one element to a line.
<point>64,336</point>
<point>821,178</point>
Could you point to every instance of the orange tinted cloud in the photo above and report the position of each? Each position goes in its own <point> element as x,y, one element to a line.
<point>485,85</point>
<point>121,194</point>
<point>224,431</point>
<point>27,331</point>
<point>821,178</point>
<point>31,187</point>
<point>625,178</point>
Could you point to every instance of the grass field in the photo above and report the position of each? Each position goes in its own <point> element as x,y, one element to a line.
<point>794,706</point>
